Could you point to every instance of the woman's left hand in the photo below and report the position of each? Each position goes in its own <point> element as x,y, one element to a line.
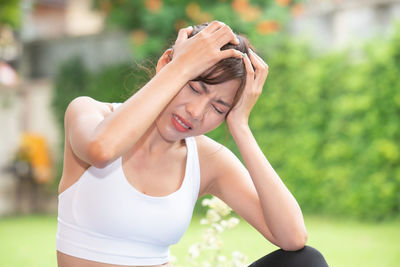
<point>238,116</point>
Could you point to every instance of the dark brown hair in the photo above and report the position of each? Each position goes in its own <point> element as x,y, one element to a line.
<point>227,69</point>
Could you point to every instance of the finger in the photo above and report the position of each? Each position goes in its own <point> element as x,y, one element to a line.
<point>225,35</point>
<point>255,87</point>
<point>249,69</point>
<point>255,62</point>
<point>183,34</point>
<point>261,68</point>
<point>213,26</point>
<point>230,53</point>
<point>258,58</point>
<point>262,63</point>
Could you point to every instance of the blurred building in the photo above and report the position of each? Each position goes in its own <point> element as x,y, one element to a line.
<point>52,31</point>
<point>56,30</point>
<point>335,24</point>
<point>44,19</point>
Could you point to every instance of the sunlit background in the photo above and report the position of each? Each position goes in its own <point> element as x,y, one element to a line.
<point>328,118</point>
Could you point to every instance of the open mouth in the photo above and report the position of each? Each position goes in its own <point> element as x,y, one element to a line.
<point>182,126</point>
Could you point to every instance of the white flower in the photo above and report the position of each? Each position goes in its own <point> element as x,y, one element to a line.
<point>213,216</point>
<point>221,258</point>
<point>224,223</point>
<point>239,260</point>
<point>232,222</point>
<point>218,227</point>
<point>219,206</point>
<point>206,202</point>
<point>194,251</point>
<point>211,239</point>
<point>204,221</point>
<point>237,255</point>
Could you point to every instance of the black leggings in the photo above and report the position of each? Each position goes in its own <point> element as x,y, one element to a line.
<point>305,257</point>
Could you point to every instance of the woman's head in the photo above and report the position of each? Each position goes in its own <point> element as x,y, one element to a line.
<point>204,102</point>
<point>228,68</point>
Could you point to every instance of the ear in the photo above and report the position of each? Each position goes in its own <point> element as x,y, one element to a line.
<point>164,59</point>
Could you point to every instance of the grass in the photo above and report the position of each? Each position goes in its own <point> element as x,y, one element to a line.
<point>30,241</point>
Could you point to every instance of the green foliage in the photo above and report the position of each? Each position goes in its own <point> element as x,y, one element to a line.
<point>70,82</point>
<point>112,84</point>
<point>10,13</point>
<point>154,23</point>
<point>329,125</point>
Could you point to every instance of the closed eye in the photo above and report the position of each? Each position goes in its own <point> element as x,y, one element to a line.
<point>194,90</point>
<point>217,110</point>
<point>214,107</point>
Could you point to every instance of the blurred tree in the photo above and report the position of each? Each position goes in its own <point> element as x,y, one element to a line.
<point>154,23</point>
<point>10,13</point>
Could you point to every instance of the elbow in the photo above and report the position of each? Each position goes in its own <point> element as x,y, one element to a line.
<point>100,157</point>
<point>297,242</point>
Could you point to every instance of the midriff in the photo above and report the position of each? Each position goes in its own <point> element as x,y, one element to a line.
<point>65,260</point>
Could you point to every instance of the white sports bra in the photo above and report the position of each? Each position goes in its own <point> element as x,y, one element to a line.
<point>103,218</point>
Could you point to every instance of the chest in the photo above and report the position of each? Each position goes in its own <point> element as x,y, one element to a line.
<point>106,202</point>
<point>159,177</point>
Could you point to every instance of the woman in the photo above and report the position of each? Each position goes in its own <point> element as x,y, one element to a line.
<point>133,171</point>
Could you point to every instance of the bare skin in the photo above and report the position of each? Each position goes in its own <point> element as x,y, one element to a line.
<point>65,260</point>
<point>151,146</point>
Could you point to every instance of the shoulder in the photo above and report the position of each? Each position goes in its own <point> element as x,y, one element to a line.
<point>216,160</point>
<point>210,150</point>
<point>87,105</point>
<point>207,145</point>
<point>87,102</point>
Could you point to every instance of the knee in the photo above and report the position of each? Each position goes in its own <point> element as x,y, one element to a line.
<point>310,256</point>
<point>308,250</point>
<point>305,257</point>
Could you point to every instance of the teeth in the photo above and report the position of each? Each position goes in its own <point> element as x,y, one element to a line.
<point>181,123</point>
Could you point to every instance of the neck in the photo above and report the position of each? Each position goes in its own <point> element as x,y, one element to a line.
<point>152,144</point>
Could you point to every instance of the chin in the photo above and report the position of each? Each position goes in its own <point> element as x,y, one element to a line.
<point>168,134</point>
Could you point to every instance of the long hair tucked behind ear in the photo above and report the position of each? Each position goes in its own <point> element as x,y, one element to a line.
<point>228,68</point>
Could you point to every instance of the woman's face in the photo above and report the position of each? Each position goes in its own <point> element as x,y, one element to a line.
<point>197,109</point>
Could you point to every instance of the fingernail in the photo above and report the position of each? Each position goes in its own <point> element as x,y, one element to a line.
<point>251,51</point>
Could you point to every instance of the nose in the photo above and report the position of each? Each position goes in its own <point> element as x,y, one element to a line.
<point>197,108</point>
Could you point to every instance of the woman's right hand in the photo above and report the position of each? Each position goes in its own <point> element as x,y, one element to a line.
<point>203,50</point>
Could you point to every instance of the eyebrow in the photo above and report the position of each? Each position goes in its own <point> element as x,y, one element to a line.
<point>205,90</point>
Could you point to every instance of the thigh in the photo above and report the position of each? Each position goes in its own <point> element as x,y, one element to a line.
<point>305,257</point>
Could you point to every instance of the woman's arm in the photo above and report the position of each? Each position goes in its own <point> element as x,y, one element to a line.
<point>119,131</point>
<point>98,136</point>
<point>108,137</point>
<point>280,209</point>
<point>255,193</point>
<point>282,221</point>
